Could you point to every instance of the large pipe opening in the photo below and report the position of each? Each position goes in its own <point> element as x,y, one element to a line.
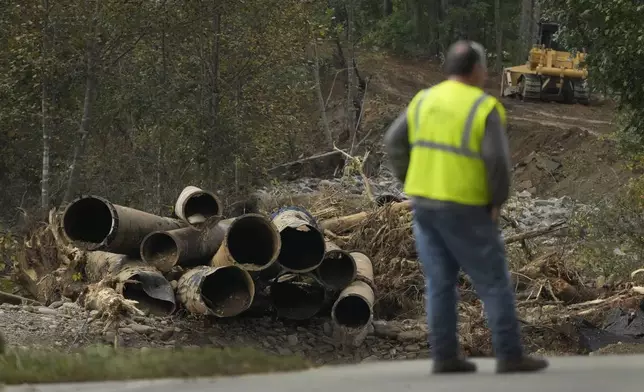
<point>338,269</point>
<point>226,291</point>
<point>302,248</point>
<point>297,297</point>
<point>141,288</point>
<point>196,206</point>
<point>88,220</point>
<point>352,311</point>
<point>204,204</point>
<point>160,248</point>
<point>253,240</point>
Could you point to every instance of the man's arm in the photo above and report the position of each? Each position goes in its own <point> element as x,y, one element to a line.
<point>496,156</point>
<point>397,146</point>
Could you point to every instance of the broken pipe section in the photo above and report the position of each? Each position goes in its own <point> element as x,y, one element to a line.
<point>136,281</point>
<point>338,268</point>
<point>297,296</point>
<point>185,247</point>
<point>93,223</point>
<point>302,242</point>
<point>195,206</point>
<point>354,307</point>
<point>250,241</point>
<point>219,291</point>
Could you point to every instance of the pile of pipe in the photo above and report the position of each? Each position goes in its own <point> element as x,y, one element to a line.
<point>212,265</point>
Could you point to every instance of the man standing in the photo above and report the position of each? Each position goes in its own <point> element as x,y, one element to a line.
<point>450,150</point>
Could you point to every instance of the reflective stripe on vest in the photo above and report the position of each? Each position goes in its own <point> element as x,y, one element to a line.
<point>467,133</point>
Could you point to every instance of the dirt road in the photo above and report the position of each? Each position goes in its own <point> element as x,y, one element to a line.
<point>620,373</point>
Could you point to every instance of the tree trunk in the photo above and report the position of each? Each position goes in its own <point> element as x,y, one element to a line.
<point>525,33</point>
<point>46,136</point>
<point>215,92</point>
<point>318,85</point>
<point>350,72</point>
<point>499,36</point>
<point>83,130</point>
<point>387,8</point>
<point>536,17</point>
<point>159,168</point>
<point>88,100</point>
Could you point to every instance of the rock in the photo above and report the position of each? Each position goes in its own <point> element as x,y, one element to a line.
<point>145,329</point>
<point>386,329</point>
<point>70,307</point>
<point>56,304</point>
<point>166,334</point>
<point>412,335</point>
<point>126,330</point>
<point>548,164</point>
<point>44,310</point>
<point>525,185</point>
<point>412,348</point>
<point>292,340</point>
<point>327,329</point>
<point>525,194</point>
<point>284,351</point>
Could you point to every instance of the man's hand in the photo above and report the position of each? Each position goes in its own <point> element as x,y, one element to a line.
<point>495,214</point>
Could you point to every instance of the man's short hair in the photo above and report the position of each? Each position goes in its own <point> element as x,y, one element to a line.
<point>463,56</point>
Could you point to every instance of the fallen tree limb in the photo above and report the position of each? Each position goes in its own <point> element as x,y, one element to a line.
<point>7,298</point>
<point>344,223</point>
<point>304,160</point>
<point>536,233</point>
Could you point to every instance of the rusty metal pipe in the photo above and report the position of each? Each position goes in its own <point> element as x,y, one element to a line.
<point>93,223</point>
<point>218,291</point>
<point>338,268</point>
<point>135,279</point>
<point>302,241</point>
<point>250,241</point>
<point>364,267</point>
<point>297,296</point>
<point>195,206</point>
<point>354,307</point>
<point>186,247</point>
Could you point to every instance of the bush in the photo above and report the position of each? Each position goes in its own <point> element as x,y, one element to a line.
<point>611,235</point>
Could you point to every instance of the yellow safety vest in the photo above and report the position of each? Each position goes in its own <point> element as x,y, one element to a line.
<point>446,124</point>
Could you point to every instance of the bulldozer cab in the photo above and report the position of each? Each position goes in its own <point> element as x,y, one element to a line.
<point>546,36</point>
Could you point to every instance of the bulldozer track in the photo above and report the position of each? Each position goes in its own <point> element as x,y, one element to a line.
<point>531,87</point>
<point>581,91</point>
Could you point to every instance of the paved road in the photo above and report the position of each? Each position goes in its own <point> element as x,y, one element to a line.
<point>588,374</point>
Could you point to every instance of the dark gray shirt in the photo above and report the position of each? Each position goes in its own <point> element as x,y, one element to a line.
<point>494,152</point>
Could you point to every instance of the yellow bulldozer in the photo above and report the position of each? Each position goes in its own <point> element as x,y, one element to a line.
<point>550,74</point>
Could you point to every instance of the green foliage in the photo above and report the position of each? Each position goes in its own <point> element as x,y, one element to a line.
<point>612,233</point>
<point>101,363</point>
<point>177,98</point>
<point>613,34</point>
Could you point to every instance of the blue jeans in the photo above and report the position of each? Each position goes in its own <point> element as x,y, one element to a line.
<point>454,237</point>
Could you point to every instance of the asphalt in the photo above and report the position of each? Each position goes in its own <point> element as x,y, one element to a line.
<point>569,374</point>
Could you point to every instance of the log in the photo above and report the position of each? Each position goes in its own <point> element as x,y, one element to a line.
<point>344,223</point>
<point>7,298</point>
<point>536,232</point>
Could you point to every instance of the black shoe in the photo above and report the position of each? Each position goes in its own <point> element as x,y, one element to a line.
<point>457,365</point>
<point>524,364</point>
